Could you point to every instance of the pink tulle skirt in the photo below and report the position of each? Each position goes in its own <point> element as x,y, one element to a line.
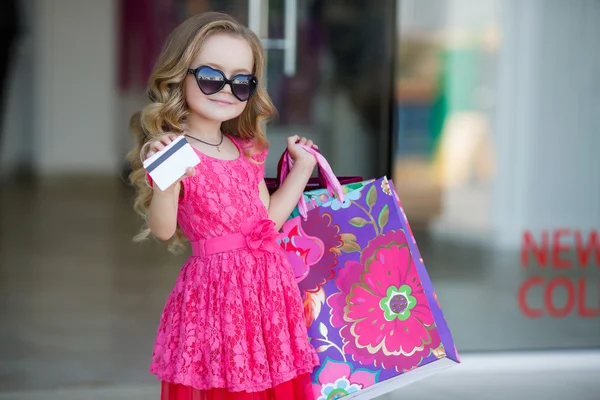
<point>299,388</point>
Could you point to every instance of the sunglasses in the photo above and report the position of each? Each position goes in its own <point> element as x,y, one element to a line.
<point>211,81</point>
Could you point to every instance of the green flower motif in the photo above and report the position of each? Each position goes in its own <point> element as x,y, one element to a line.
<point>398,303</point>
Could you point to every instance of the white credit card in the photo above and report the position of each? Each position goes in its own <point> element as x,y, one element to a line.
<point>168,165</point>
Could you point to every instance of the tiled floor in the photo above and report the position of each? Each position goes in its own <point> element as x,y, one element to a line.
<point>79,303</point>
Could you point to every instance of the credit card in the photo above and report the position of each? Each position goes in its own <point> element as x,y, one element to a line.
<point>168,165</point>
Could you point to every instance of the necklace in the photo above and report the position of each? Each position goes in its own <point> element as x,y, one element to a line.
<point>218,146</point>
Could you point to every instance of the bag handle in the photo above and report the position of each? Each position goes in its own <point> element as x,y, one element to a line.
<point>321,181</point>
<point>326,173</point>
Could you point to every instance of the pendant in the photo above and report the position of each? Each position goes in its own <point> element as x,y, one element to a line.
<point>218,149</point>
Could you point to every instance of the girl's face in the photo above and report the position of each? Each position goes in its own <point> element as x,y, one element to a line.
<point>230,54</point>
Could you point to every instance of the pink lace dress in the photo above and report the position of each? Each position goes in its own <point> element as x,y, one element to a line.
<point>233,325</point>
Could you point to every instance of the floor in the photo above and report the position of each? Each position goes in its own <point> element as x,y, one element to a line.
<point>79,303</point>
<point>548,376</point>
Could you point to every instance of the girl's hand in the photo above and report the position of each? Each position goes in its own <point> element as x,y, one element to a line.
<point>298,154</point>
<point>157,145</point>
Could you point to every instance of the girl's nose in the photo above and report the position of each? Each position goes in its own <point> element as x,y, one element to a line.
<point>227,88</point>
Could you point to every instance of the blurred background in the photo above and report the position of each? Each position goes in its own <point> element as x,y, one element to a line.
<point>486,115</point>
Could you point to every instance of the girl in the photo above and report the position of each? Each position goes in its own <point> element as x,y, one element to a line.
<point>232,327</point>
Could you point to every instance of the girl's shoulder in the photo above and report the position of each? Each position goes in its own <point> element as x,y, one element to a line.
<point>251,148</point>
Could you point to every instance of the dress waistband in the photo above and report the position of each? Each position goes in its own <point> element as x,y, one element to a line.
<point>259,237</point>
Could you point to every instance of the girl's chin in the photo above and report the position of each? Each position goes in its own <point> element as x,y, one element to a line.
<point>220,114</point>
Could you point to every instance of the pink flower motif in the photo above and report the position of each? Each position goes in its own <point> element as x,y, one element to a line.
<point>336,380</point>
<point>302,250</point>
<point>381,309</point>
<point>322,271</point>
<point>260,236</point>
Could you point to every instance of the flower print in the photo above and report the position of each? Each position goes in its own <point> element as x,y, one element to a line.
<point>336,379</point>
<point>313,200</point>
<point>381,310</point>
<point>317,242</point>
<point>440,352</point>
<point>335,204</point>
<point>385,186</point>
<point>397,303</point>
<point>313,303</point>
<point>316,200</point>
<point>302,250</point>
<point>312,204</point>
<point>324,197</point>
<point>338,389</point>
<point>321,225</point>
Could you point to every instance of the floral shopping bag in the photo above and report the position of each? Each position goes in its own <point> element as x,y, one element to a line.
<point>371,311</point>
<point>317,197</point>
<point>314,184</point>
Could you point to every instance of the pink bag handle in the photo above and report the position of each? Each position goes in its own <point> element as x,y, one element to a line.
<point>333,184</point>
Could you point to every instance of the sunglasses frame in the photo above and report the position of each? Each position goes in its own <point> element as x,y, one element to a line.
<point>226,81</point>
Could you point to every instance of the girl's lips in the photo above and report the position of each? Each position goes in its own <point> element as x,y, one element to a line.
<point>221,102</point>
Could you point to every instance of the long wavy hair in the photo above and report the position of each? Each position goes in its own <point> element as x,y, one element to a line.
<point>167,111</point>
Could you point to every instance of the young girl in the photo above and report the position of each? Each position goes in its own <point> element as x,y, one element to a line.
<point>232,327</point>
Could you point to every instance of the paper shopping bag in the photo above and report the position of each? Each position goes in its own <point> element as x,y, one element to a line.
<point>314,183</point>
<point>317,197</point>
<point>370,308</point>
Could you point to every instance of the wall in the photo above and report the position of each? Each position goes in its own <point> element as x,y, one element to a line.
<point>548,124</point>
<point>64,101</point>
<point>75,71</point>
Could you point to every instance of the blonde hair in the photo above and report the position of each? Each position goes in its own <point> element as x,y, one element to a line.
<point>168,111</point>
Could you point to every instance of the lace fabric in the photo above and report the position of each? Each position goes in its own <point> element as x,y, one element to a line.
<point>233,321</point>
<point>297,389</point>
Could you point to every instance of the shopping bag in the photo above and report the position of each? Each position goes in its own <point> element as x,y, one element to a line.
<point>371,311</point>
<point>317,197</point>
<point>314,183</point>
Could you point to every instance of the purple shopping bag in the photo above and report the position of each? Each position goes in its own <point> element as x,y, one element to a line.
<point>314,183</point>
<point>371,310</point>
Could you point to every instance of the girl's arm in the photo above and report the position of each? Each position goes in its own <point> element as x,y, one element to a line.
<point>162,213</point>
<point>281,204</point>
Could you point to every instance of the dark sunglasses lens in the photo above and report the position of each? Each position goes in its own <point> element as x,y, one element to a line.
<point>209,80</point>
<point>244,86</point>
